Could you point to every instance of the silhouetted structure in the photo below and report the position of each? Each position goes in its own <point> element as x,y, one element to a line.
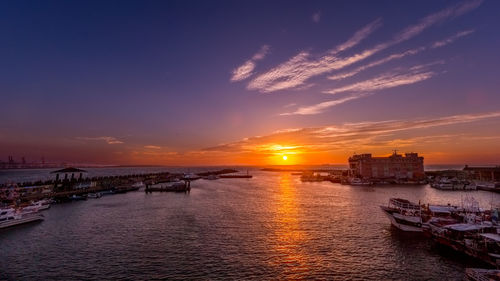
<point>408,166</point>
<point>491,173</point>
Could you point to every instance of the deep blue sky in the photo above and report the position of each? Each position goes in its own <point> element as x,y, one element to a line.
<point>97,81</point>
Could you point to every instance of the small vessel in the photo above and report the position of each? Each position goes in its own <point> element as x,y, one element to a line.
<point>311,177</point>
<point>445,183</point>
<point>191,177</point>
<point>94,195</point>
<point>75,197</point>
<point>478,240</point>
<point>169,186</point>
<point>404,214</point>
<point>138,185</point>
<point>126,188</point>
<point>107,192</point>
<point>211,177</point>
<point>11,217</point>
<point>358,181</point>
<point>37,206</point>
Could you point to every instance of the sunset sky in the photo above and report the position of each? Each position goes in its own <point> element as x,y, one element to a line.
<point>248,82</point>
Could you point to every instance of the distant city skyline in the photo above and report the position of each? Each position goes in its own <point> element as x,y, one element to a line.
<point>249,82</point>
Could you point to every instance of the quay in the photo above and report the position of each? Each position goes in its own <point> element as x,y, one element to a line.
<point>235,176</point>
<point>400,169</point>
<point>71,182</point>
<point>167,186</point>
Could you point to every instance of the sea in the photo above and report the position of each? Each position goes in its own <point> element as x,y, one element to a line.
<point>269,227</point>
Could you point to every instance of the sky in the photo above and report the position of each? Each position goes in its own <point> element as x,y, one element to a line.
<point>248,82</point>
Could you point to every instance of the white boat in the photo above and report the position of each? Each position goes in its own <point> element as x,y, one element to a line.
<point>138,185</point>
<point>36,206</point>
<point>94,195</point>
<point>404,214</point>
<point>211,177</point>
<point>445,183</point>
<point>11,217</point>
<point>358,181</point>
<point>190,176</point>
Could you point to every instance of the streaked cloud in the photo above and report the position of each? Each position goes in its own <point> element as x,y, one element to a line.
<point>298,69</point>
<point>303,66</point>
<point>246,70</point>
<point>387,80</point>
<point>320,107</point>
<point>152,147</point>
<point>359,135</point>
<point>451,39</point>
<point>432,19</point>
<point>410,52</point>
<point>108,140</point>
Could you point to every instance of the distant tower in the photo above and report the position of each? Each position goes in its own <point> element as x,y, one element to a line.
<point>23,160</point>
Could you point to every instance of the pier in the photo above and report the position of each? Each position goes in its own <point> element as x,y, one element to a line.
<point>72,182</point>
<point>69,182</point>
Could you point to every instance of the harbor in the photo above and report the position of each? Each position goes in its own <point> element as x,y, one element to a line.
<point>274,220</point>
<point>427,206</point>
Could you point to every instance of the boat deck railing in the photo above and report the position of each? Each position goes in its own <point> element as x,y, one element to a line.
<point>404,205</point>
<point>479,274</point>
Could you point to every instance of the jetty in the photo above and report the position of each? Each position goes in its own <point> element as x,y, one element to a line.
<point>72,183</point>
<point>235,176</point>
<point>169,186</point>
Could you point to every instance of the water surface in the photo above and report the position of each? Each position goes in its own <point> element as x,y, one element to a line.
<point>272,226</point>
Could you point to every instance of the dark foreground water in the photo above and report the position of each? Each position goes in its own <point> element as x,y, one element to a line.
<point>270,227</point>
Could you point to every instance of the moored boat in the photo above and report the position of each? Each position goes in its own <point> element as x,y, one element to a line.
<point>36,206</point>
<point>169,186</point>
<point>12,217</point>
<point>478,240</point>
<point>404,214</point>
<point>211,177</point>
<point>480,274</point>
<point>94,195</point>
<point>358,181</point>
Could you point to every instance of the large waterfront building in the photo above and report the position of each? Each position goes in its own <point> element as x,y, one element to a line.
<point>483,173</point>
<point>408,166</point>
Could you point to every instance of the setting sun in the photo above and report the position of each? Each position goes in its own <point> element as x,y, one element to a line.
<point>285,157</point>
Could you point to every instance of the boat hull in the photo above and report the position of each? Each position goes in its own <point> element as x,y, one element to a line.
<point>398,223</point>
<point>23,220</point>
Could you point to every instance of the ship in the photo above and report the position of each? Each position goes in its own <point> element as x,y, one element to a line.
<point>11,217</point>
<point>404,214</point>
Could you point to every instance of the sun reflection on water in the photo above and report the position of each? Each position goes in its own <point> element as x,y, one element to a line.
<point>289,236</point>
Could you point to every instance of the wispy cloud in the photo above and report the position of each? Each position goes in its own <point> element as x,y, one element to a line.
<point>387,80</point>
<point>319,108</point>
<point>152,147</point>
<point>451,39</point>
<point>392,57</point>
<point>349,135</point>
<point>108,140</point>
<point>246,70</point>
<point>316,17</point>
<point>432,19</point>
<point>298,69</point>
